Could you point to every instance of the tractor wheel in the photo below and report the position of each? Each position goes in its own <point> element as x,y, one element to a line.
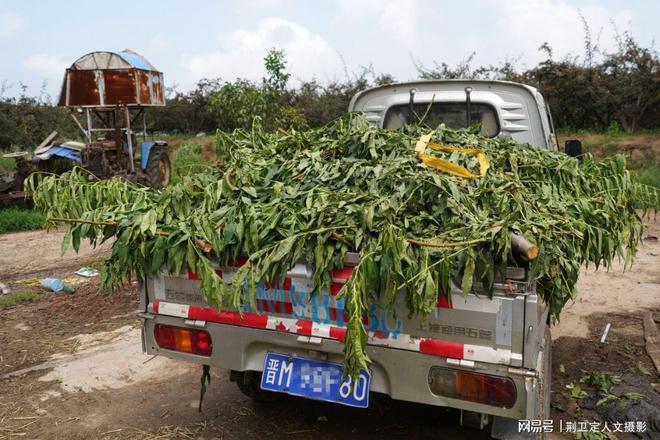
<point>159,168</point>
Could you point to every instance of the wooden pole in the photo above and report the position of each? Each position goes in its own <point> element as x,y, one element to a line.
<point>522,245</point>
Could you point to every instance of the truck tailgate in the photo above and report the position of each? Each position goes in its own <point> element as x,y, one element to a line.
<point>469,329</point>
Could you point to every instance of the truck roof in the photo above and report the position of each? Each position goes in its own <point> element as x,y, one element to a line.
<point>433,84</point>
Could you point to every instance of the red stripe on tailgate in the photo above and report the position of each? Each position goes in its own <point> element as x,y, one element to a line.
<point>436,347</point>
<point>443,302</point>
<point>225,317</point>
<point>342,274</point>
<point>338,333</point>
<point>238,263</point>
<point>439,347</point>
<point>304,327</point>
<point>335,288</point>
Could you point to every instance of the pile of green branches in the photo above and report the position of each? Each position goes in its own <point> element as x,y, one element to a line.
<point>348,187</point>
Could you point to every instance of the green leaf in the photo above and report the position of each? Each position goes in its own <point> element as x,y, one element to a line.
<point>282,249</point>
<point>148,222</point>
<point>468,274</point>
<point>66,241</point>
<point>608,398</point>
<point>75,238</point>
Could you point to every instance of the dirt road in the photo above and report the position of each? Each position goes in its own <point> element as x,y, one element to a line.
<point>41,251</point>
<point>72,366</point>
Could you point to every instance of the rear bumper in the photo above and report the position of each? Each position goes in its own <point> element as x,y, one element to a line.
<point>401,374</point>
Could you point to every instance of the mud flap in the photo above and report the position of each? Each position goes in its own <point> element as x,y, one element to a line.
<point>507,429</point>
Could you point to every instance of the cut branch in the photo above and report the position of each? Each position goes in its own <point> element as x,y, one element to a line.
<point>203,244</point>
<point>522,245</point>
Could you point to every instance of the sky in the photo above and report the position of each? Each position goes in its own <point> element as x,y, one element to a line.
<point>323,39</point>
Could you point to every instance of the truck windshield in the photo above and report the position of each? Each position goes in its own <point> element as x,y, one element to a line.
<point>452,114</point>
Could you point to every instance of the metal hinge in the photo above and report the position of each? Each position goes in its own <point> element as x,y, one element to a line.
<point>523,372</point>
<point>314,340</point>
<point>460,362</point>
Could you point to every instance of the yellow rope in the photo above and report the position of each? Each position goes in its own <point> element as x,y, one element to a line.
<point>446,166</point>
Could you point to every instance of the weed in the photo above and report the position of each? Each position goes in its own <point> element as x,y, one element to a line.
<point>187,160</point>
<point>634,396</point>
<point>7,164</point>
<point>605,400</point>
<point>649,175</point>
<point>642,369</point>
<point>17,218</point>
<point>602,382</point>
<point>18,298</point>
<point>576,391</point>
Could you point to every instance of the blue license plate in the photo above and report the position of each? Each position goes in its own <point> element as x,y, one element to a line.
<point>313,379</point>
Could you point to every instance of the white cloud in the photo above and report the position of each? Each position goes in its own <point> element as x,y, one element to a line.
<point>399,19</point>
<point>10,23</point>
<point>241,52</point>
<point>396,19</point>
<point>159,42</point>
<point>49,66</point>
<point>529,23</point>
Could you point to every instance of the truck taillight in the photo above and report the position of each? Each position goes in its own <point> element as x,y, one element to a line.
<point>473,387</point>
<point>183,339</point>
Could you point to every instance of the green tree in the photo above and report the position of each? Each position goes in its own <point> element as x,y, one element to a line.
<point>632,74</point>
<point>275,63</point>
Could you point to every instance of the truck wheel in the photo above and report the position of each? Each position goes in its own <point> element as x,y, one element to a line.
<point>159,168</point>
<point>248,382</point>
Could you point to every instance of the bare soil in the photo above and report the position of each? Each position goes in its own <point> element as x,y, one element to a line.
<point>41,251</point>
<point>82,374</point>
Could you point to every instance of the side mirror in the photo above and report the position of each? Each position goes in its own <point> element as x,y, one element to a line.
<point>573,148</point>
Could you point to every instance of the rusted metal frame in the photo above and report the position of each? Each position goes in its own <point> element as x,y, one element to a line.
<point>150,86</point>
<point>89,124</point>
<point>144,126</point>
<point>136,78</point>
<point>100,84</point>
<point>75,119</point>
<point>129,139</point>
<point>105,120</point>
<point>68,89</point>
<point>136,115</point>
<point>115,123</point>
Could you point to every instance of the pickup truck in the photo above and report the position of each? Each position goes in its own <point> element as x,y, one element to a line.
<point>487,357</point>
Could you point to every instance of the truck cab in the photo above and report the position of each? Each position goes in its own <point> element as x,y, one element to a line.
<point>502,108</point>
<point>488,357</point>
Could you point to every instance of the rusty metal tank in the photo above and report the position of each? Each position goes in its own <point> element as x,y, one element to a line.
<point>111,79</point>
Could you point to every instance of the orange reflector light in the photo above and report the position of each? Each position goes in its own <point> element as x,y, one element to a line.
<point>473,387</point>
<point>182,339</point>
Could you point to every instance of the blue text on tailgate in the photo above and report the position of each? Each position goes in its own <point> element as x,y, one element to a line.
<point>314,379</point>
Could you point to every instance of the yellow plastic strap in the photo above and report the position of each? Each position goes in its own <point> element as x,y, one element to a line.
<point>446,166</point>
